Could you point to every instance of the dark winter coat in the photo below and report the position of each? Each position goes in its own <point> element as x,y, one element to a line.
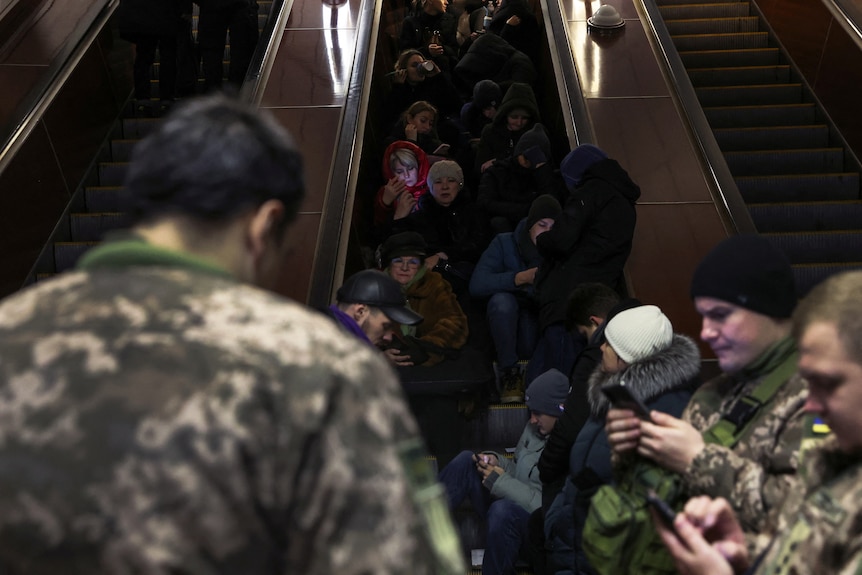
<point>508,254</point>
<point>524,37</point>
<point>137,18</point>
<point>437,89</point>
<point>590,241</point>
<point>459,230</point>
<point>416,32</point>
<point>665,382</point>
<point>492,58</point>
<point>507,190</point>
<point>497,142</point>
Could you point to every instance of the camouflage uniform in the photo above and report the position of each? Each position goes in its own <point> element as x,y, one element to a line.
<point>756,474</point>
<point>819,528</point>
<point>167,419</point>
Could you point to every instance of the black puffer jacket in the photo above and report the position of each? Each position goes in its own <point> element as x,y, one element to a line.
<point>590,241</point>
<point>137,18</point>
<point>497,142</point>
<point>490,57</point>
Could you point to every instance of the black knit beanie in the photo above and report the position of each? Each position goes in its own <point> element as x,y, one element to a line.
<point>748,271</point>
<point>545,206</point>
<point>487,93</point>
<point>535,136</point>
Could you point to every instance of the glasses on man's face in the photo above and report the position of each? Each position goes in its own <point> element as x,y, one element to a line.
<point>412,262</point>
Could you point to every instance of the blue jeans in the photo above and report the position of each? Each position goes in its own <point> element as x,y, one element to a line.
<point>513,329</point>
<point>507,521</point>
<point>557,348</point>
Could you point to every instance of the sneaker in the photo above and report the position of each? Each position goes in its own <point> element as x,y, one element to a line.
<point>512,384</point>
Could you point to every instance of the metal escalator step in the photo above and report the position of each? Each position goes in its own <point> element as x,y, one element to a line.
<point>766,162</point>
<point>751,116</point>
<point>499,427</point>
<point>66,254</point>
<point>112,173</point>
<point>806,216</point>
<point>721,41</point>
<point>121,150</point>
<point>799,188</point>
<point>91,227</point>
<point>770,94</point>
<point>105,199</point>
<point>718,58</point>
<point>809,275</point>
<point>678,27</point>
<point>820,247</point>
<point>772,137</point>
<point>138,127</point>
<point>709,10</point>
<point>739,75</point>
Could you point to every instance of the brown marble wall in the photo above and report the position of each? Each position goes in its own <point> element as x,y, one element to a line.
<point>36,185</point>
<point>635,119</point>
<point>826,56</point>
<point>306,92</point>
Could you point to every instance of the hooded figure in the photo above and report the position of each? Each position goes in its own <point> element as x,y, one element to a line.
<point>397,158</point>
<point>486,96</point>
<point>592,238</point>
<point>517,113</point>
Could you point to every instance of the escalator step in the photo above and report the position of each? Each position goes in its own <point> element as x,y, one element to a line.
<point>752,116</point>
<point>138,127</point>
<point>105,199</point>
<point>112,173</point>
<point>721,41</point>
<point>738,76</point>
<point>717,10</point>
<point>820,247</point>
<point>66,254</point>
<point>499,427</point>
<point>806,216</point>
<point>773,94</point>
<point>121,150</point>
<point>91,227</point>
<point>771,162</point>
<point>717,58</point>
<point>809,275</point>
<point>772,137</point>
<point>799,188</point>
<point>681,27</point>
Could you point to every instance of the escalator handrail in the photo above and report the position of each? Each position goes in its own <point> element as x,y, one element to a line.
<point>720,180</point>
<point>849,20</point>
<point>30,112</point>
<point>578,126</point>
<point>265,52</point>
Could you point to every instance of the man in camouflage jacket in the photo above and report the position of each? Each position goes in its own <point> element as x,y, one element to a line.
<point>160,415</point>
<point>818,530</point>
<point>745,291</point>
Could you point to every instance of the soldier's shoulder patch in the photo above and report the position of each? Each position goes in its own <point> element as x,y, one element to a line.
<point>819,427</point>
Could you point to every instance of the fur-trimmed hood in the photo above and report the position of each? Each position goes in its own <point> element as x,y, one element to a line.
<point>673,368</point>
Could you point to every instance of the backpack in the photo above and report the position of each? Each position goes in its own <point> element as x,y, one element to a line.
<point>619,537</point>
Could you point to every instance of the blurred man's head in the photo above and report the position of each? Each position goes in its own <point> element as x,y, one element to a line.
<point>745,292</point>
<point>588,307</point>
<point>222,180</point>
<point>828,325</point>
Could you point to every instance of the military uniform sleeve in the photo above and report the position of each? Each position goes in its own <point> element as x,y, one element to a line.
<point>756,474</point>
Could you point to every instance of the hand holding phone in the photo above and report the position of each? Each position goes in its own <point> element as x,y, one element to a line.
<point>665,513</point>
<point>621,397</point>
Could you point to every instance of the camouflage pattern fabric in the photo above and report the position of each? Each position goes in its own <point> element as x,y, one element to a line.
<point>158,420</point>
<point>756,474</point>
<point>819,528</point>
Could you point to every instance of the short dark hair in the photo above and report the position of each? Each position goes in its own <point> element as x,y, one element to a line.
<point>589,299</point>
<point>211,159</point>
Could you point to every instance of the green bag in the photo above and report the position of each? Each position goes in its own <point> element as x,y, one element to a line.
<point>619,537</point>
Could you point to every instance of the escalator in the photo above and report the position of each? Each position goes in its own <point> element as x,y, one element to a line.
<point>796,174</point>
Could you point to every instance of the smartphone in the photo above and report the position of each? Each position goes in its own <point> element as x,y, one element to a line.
<point>442,150</point>
<point>621,397</point>
<point>665,513</point>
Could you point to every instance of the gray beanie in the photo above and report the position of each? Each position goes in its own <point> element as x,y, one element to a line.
<point>639,333</point>
<point>547,393</point>
<point>445,169</point>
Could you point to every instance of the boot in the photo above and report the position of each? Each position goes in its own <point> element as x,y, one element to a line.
<point>512,384</point>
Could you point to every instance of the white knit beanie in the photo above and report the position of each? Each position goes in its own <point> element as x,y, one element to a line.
<point>638,333</point>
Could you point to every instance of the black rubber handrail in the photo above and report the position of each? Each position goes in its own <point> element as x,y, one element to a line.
<point>27,115</point>
<point>719,178</point>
